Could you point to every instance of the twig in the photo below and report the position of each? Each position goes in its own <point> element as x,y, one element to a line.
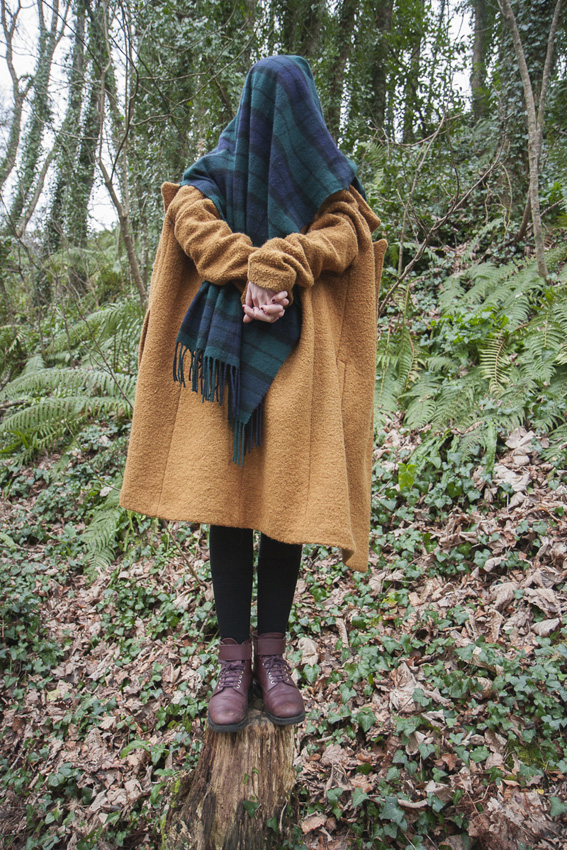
<point>453,207</point>
<point>190,567</point>
<point>101,353</point>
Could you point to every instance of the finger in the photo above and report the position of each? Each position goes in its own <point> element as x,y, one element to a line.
<point>252,313</point>
<point>267,317</point>
<point>272,309</point>
<point>280,297</point>
<point>249,300</point>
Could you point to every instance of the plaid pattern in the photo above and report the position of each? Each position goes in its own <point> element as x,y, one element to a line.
<point>273,167</point>
<point>226,354</point>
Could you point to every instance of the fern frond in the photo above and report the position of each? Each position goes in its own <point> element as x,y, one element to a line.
<point>99,325</point>
<point>421,400</point>
<point>54,418</point>
<point>67,380</point>
<point>494,362</point>
<point>100,536</point>
<point>557,445</point>
<point>34,364</point>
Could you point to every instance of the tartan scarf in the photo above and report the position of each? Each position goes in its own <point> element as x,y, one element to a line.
<point>273,167</point>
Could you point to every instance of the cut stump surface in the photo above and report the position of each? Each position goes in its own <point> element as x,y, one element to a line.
<point>242,780</point>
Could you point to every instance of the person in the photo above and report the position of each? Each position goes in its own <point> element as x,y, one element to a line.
<point>263,295</point>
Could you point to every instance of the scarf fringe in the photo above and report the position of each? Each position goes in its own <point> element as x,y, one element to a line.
<point>247,435</point>
<point>210,377</point>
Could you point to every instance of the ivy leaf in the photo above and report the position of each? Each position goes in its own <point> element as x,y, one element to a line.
<point>134,745</point>
<point>393,812</point>
<point>557,807</point>
<point>366,719</point>
<point>359,797</point>
<point>251,807</point>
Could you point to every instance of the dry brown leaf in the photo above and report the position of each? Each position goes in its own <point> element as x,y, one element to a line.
<point>503,594</point>
<point>520,438</point>
<point>454,842</point>
<point>495,742</point>
<point>333,754</point>
<point>493,760</point>
<point>312,822</point>
<point>341,628</point>
<point>543,598</point>
<point>495,621</point>
<point>503,475</point>
<point>309,654</point>
<point>360,781</point>
<point>505,824</point>
<point>442,792</point>
<point>545,627</point>
<point>375,583</point>
<point>412,804</point>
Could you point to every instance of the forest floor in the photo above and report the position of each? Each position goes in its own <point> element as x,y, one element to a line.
<point>434,683</point>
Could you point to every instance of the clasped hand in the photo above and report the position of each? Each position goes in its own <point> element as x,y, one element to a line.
<point>264,304</point>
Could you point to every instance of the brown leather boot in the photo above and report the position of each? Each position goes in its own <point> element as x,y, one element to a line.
<point>228,705</point>
<point>282,699</point>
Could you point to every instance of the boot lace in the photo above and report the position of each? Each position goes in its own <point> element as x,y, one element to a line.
<point>231,674</point>
<point>277,668</point>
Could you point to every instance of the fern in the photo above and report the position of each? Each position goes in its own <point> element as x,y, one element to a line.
<point>53,402</point>
<point>496,359</point>
<point>100,539</point>
<point>494,363</point>
<point>67,381</point>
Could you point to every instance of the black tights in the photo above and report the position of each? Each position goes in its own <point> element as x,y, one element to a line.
<point>232,562</point>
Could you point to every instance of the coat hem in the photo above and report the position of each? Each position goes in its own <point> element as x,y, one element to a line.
<point>349,556</point>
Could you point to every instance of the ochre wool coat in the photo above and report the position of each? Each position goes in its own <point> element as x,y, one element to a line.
<point>309,481</point>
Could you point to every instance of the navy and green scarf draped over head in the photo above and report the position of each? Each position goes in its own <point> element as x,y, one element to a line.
<point>273,167</point>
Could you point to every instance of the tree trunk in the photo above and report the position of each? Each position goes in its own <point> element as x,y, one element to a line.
<point>242,781</point>
<point>69,139</point>
<point>383,10</point>
<point>309,43</point>
<point>9,23</point>
<point>39,109</point>
<point>346,22</point>
<point>480,46</point>
<point>534,120</point>
<point>411,95</point>
<point>83,179</point>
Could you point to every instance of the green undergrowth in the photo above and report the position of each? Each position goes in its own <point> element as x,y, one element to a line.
<point>435,683</point>
<point>477,353</point>
<point>89,655</point>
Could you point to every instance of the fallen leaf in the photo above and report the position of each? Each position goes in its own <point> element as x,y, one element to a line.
<point>504,593</point>
<point>545,627</point>
<point>333,754</point>
<point>503,475</point>
<point>309,654</point>
<point>544,598</point>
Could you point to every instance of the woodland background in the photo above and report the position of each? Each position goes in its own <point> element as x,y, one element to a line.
<point>435,683</point>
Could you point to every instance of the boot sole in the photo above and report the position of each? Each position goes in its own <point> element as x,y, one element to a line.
<point>231,727</point>
<point>285,721</point>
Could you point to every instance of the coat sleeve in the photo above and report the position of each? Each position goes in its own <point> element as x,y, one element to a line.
<point>330,244</point>
<point>219,254</point>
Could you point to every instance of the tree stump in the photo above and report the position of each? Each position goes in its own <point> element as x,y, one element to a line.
<point>242,780</point>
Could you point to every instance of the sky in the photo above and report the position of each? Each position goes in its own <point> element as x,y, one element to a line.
<point>102,211</point>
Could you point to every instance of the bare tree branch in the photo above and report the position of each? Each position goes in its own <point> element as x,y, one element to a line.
<point>456,204</point>
<point>534,120</point>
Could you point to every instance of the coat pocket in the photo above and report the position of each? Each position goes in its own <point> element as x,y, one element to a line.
<point>143,336</point>
<point>379,252</point>
<point>341,371</point>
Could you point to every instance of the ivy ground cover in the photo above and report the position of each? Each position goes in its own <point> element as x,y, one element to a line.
<point>435,683</point>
